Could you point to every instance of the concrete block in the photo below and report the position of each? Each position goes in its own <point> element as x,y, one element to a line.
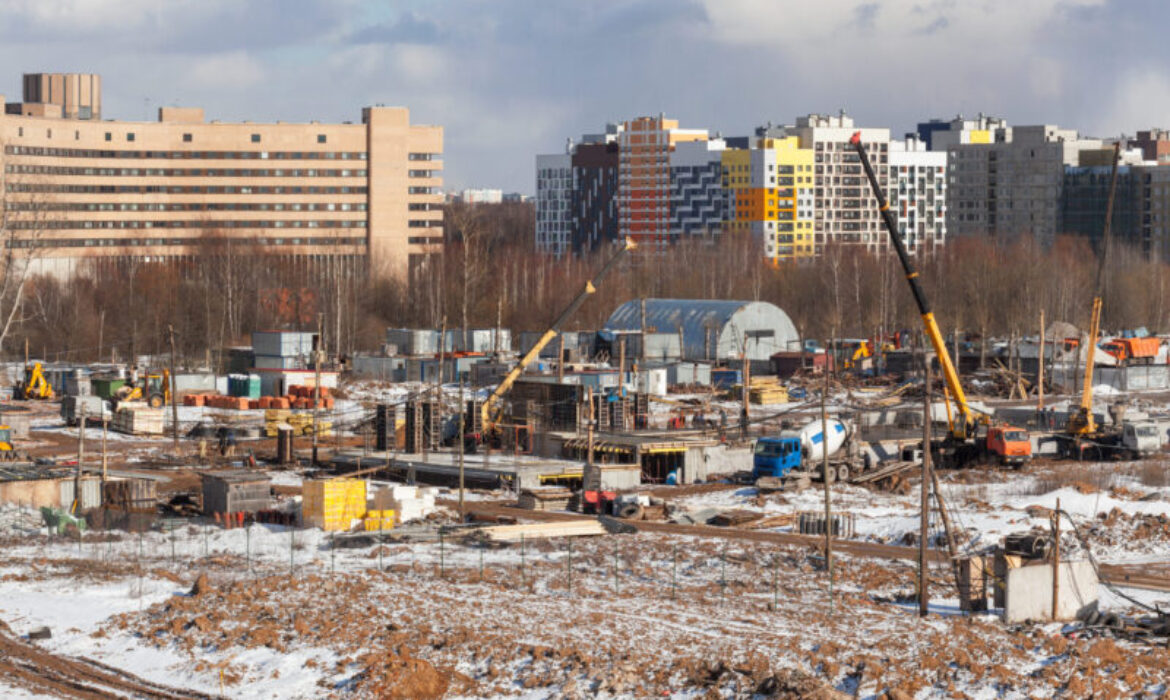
<point>1029,591</point>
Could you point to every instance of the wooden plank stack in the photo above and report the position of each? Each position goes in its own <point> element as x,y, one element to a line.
<point>585,527</point>
<point>767,390</point>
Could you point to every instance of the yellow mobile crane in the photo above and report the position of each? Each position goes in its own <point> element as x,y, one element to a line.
<point>971,436</point>
<point>491,410</point>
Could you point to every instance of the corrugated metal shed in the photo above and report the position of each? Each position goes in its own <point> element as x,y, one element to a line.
<point>713,328</point>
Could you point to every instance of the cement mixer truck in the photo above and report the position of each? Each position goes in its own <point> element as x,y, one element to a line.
<point>799,454</point>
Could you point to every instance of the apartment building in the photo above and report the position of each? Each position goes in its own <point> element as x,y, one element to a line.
<point>918,193</point>
<point>555,221</point>
<point>644,184</point>
<point>1006,181</point>
<point>770,189</point>
<point>79,189</point>
<point>1154,144</point>
<point>697,202</point>
<point>576,194</point>
<point>844,211</point>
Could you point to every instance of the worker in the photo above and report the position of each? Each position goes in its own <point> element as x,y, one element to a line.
<point>227,442</point>
<point>672,478</point>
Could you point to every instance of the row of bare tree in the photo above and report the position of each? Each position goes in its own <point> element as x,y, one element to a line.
<point>491,274</point>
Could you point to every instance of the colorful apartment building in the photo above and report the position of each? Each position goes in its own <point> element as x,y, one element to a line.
<point>644,187</point>
<point>770,194</point>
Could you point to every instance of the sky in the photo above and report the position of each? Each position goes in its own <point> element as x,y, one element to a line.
<point>508,79</point>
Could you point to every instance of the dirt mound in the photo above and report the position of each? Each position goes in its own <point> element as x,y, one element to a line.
<point>202,585</point>
<point>394,677</point>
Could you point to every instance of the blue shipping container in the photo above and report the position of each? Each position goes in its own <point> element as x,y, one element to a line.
<point>726,378</point>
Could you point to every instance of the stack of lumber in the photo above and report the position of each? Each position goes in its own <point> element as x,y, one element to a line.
<point>333,504</point>
<point>545,499</point>
<point>133,419</point>
<point>301,423</point>
<point>566,528</point>
<point>767,390</point>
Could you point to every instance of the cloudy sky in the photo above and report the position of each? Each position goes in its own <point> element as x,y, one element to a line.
<point>512,78</point>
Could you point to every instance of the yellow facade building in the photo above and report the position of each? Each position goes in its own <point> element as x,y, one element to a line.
<point>769,190</point>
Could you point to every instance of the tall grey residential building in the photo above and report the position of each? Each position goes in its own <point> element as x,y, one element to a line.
<point>918,193</point>
<point>554,202</point>
<point>1005,181</point>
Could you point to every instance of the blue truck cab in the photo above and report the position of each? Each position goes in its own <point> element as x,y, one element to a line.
<point>776,456</point>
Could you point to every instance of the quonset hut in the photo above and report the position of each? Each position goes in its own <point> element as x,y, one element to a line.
<point>710,329</point>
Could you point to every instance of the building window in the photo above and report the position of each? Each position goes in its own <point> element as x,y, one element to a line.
<point>76,135</point>
<point>130,136</point>
<point>186,138</point>
<point>20,131</point>
<point>320,138</point>
<point>255,138</point>
<point>48,133</point>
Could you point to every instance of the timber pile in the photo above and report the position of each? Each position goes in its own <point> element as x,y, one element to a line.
<point>734,518</point>
<point>585,527</point>
<point>782,520</point>
<point>545,499</point>
<point>767,390</point>
<point>138,420</point>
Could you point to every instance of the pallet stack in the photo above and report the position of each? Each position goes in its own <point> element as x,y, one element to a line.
<point>767,390</point>
<point>132,419</point>
<point>333,504</point>
<point>545,499</point>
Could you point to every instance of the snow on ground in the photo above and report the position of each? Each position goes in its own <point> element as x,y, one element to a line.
<point>986,511</point>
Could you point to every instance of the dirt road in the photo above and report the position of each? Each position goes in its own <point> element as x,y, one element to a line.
<point>24,665</point>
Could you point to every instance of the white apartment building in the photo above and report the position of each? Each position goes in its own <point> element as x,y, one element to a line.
<point>918,193</point>
<point>845,211</point>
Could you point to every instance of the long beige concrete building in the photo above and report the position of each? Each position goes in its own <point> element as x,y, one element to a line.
<point>76,188</point>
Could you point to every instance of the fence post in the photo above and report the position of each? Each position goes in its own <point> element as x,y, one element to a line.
<point>523,582</point>
<point>292,536</point>
<point>569,566</point>
<point>674,574</point>
<point>723,574</point>
<point>442,552</point>
<point>174,554</point>
<point>333,552</point>
<point>775,582</point>
<point>481,563</point>
<point>248,546</point>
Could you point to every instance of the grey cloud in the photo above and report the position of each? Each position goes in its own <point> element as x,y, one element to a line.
<point>409,28</point>
<point>864,15</point>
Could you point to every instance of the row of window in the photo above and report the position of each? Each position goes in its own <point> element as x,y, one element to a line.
<point>136,242</point>
<point>189,155</point>
<point>202,224</point>
<point>176,172</point>
<point>424,223</point>
<point>196,206</point>
<point>165,189</point>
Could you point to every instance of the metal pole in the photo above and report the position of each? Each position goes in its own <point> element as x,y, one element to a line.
<point>174,393</point>
<point>1040,375</point>
<point>825,480</point>
<point>316,385</point>
<point>462,448</point>
<point>105,429</point>
<point>592,480</point>
<point>924,504</point>
<point>76,505</point>
<point>1056,560</point>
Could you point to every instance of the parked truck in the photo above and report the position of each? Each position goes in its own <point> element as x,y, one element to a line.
<point>796,454</point>
<point>1133,351</point>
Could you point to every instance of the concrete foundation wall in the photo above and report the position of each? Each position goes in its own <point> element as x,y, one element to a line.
<point>1029,591</point>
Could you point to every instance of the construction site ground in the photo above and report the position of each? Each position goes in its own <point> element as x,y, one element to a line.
<point>190,609</point>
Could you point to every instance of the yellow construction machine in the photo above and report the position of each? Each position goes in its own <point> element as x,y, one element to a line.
<point>154,389</point>
<point>8,453</point>
<point>491,410</point>
<point>972,436</point>
<point>35,386</point>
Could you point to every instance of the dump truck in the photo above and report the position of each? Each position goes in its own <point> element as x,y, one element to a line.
<point>796,454</point>
<point>1133,351</point>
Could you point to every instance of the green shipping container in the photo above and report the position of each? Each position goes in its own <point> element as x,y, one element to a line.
<point>106,388</point>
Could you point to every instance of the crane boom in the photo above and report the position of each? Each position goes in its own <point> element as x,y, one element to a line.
<point>1083,422</point>
<point>962,428</point>
<point>490,410</point>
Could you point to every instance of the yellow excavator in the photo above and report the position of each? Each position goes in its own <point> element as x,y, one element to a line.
<point>35,386</point>
<point>154,389</point>
<point>8,453</point>
<point>491,410</point>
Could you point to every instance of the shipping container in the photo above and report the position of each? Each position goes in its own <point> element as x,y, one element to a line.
<point>412,341</point>
<point>284,343</point>
<point>688,374</point>
<point>236,492</point>
<point>726,378</point>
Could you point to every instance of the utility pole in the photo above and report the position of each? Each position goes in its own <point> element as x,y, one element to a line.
<point>924,503</point>
<point>462,431</point>
<point>1055,559</point>
<point>174,394</point>
<point>317,384</point>
<point>1040,376</point>
<point>591,480</point>
<point>825,480</point>
<point>744,414</point>
<point>80,459</point>
<point>105,428</point>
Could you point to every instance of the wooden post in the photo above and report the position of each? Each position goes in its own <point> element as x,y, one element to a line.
<point>621,361</point>
<point>592,480</point>
<point>924,501</point>
<point>105,427</point>
<point>744,410</point>
<point>1056,559</point>
<point>1040,370</point>
<point>174,394</point>
<point>825,480</point>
